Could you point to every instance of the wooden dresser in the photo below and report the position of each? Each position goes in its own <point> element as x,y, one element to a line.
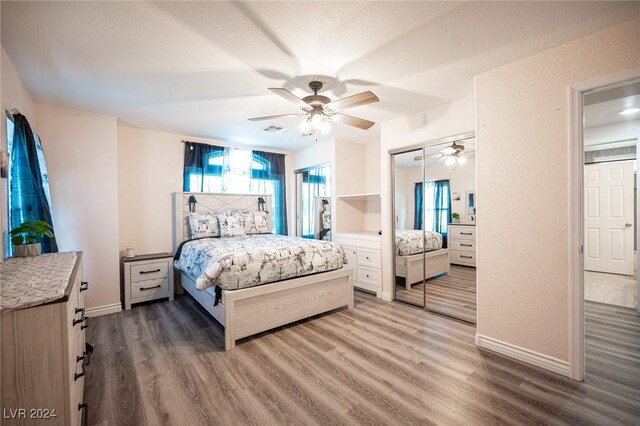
<point>44,355</point>
<point>363,255</point>
<point>462,244</point>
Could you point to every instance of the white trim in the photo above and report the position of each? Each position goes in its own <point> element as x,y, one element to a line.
<point>575,219</point>
<point>525,355</point>
<point>104,310</point>
<point>386,296</point>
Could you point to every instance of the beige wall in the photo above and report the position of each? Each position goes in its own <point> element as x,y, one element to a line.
<point>150,166</point>
<point>440,121</point>
<point>80,149</point>
<point>523,183</point>
<point>13,94</point>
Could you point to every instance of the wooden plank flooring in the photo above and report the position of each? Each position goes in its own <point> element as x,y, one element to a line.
<point>453,294</point>
<point>379,364</point>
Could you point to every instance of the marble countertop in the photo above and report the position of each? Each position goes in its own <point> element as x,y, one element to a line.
<point>34,281</point>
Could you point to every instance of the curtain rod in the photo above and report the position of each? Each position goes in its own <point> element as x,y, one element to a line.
<point>252,149</point>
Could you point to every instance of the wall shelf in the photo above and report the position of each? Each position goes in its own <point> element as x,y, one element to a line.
<point>360,197</point>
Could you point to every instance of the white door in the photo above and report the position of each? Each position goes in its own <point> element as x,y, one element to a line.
<point>609,230</point>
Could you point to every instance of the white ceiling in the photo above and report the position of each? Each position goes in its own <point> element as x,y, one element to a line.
<point>602,119</point>
<point>408,159</point>
<point>203,68</point>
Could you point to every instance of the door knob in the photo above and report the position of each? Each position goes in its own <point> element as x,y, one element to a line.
<point>628,225</point>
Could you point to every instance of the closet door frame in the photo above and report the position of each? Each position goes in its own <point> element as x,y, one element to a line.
<point>422,147</point>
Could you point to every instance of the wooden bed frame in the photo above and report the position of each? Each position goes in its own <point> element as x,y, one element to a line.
<point>249,311</point>
<point>411,267</point>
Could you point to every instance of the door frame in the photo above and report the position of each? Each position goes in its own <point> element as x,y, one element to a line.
<point>576,213</point>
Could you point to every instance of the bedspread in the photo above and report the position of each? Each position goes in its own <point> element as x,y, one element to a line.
<point>250,260</point>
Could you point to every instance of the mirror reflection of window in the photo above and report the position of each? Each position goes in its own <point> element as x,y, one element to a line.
<point>315,203</point>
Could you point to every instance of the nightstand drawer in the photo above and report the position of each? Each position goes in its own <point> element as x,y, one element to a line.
<point>462,257</point>
<point>149,271</point>
<point>463,232</point>
<point>150,289</point>
<point>369,276</point>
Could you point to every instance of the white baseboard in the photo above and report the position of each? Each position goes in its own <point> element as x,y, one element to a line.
<point>387,297</point>
<point>525,355</point>
<point>104,310</point>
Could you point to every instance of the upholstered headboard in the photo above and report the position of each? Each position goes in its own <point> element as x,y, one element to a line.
<point>211,202</point>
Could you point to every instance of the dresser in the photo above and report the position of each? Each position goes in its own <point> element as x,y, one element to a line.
<point>462,244</point>
<point>44,355</point>
<point>363,255</point>
<point>147,277</point>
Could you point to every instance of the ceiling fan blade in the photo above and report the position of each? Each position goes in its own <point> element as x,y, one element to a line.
<point>360,123</point>
<point>290,97</point>
<point>275,117</point>
<point>363,98</point>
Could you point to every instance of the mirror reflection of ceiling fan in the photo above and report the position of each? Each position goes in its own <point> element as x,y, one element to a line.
<point>319,110</point>
<point>450,155</point>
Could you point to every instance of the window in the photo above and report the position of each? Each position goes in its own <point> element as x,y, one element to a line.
<point>237,171</point>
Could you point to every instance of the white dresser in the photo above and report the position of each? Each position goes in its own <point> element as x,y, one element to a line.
<point>363,250</point>
<point>462,244</point>
<point>44,355</point>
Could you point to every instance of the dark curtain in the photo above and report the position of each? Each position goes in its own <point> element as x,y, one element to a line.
<point>28,199</point>
<point>442,208</point>
<point>276,173</point>
<point>418,212</point>
<point>196,163</point>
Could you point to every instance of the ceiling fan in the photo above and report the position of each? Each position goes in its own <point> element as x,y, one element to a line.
<point>450,155</point>
<point>319,110</point>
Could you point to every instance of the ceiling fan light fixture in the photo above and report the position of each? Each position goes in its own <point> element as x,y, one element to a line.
<point>317,121</point>
<point>448,150</point>
<point>461,160</point>
<point>305,126</point>
<point>450,161</point>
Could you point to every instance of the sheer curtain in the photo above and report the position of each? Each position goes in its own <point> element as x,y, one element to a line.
<point>210,168</point>
<point>315,188</point>
<point>29,183</point>
<point>437,210</point>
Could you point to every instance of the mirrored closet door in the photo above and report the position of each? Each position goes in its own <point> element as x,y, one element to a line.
<point>313,190</point>
<point>435,208</point>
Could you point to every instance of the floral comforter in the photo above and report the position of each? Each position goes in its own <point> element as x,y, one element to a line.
<point>250,260</point>
<point>410,241</point>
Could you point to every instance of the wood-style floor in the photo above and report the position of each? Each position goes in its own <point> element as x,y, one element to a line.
<point>453,294</point>
<point>379,364</point>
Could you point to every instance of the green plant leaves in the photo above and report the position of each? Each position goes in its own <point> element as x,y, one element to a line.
<point>29,231</point>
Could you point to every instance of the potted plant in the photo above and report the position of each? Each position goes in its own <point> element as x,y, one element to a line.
<point>455,218</point>
<point>25,236</point>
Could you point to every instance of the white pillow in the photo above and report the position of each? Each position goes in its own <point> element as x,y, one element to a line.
<point>230,226</point>
<point>253,222</point>
<point>203,225</point>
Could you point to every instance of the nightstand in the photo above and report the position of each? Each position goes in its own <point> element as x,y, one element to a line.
<point>147,277</point>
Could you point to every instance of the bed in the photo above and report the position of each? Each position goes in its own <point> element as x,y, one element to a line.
<point>409,255</point>
<point>253,283</point>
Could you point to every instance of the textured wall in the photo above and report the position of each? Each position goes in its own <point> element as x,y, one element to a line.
<point>522,181</point>
<point>80,148</point>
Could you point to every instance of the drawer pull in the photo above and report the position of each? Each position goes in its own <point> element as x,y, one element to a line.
<point>84,285</point>
<point>85,358</point>
<point>78,321</point>
<point>150,288</point>
<point>76,376</point>
<point>466,245</point>
<point>86,324</point>
<point>85,361</point>
<point>367,275</point>
<point>467,257</point>
<point>85,415</point>
<point>150,272</point>
<point>466,233</point>
<point>367,257</point>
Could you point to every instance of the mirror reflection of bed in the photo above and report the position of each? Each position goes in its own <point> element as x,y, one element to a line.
<point>435,257</point>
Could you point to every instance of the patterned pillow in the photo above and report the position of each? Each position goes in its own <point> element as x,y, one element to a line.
<point>203,225</point>
<point>253,222</point>
<point>230,226</point>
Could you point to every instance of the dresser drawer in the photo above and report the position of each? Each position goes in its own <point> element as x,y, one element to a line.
<point>462,257</point>
<point>462,245</point>
<point>149,289</point>
<point>369,275</point>
<point>149,271</point>
<point>463,232</point>
<point>368,258</point>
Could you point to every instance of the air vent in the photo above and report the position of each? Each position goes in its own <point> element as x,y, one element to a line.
<point>273,129</point>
